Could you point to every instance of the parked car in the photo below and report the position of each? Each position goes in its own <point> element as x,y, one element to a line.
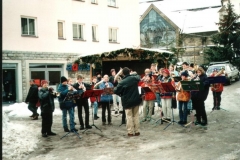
<point>231,72</point>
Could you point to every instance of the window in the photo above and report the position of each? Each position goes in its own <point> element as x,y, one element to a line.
<point>112,3</point>
<point>78,31</point>
<point>61,30</point>
<point>94,1</point>
<point>94,33</point>
<point>28,26</point>
<point>112,34</point>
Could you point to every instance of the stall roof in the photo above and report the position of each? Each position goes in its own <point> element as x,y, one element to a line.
<point>146,49</point>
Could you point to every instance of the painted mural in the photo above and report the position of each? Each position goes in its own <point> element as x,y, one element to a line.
<point>156,32</point>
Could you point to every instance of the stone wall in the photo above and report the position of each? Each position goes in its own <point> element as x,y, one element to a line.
<point>195,46</point>
<point>26,55</point>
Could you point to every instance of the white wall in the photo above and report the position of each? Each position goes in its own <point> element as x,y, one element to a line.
<point>48,12</point>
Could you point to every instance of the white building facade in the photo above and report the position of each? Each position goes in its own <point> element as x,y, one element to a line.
<point>41,37</point>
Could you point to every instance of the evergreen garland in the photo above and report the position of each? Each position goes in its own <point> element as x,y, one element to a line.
<point>138,54</point>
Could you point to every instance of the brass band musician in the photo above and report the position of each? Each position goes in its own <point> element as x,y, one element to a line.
<point>81,87</point>
<point>166,98</point>
<point>217,89</point>
<point>183,98</point>
<point>148,101</point>
<point>198,97</point>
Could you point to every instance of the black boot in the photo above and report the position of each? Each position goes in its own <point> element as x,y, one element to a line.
<point>95,117</point>
<point>66,130</point>
<point>44,135</point>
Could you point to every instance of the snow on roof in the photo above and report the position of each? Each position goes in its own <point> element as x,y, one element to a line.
<point>185,18</point>
<point>157,50</point>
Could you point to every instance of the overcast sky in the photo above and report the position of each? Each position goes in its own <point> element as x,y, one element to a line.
<point>183,4</point>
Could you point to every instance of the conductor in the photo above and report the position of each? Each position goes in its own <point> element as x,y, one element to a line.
<point>127,89</point>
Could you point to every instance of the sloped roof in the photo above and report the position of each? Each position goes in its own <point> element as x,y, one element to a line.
<point>188,21</point>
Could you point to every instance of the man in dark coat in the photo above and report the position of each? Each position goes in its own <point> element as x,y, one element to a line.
<point>46,97</point>
<point>32,99</point>
<point>81,87</point>
<point>127,89</point>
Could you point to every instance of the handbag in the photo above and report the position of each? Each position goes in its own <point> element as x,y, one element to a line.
<point>183,96</point>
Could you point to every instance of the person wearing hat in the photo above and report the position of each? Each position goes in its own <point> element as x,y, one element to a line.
<point>81,87</point>
<point>216,89</point>
<point>117,107</point>
<point>183,97</point>
<point>166,98</point>
<point>148,101</point>
<point>46,98</point>
<point>32,99</point>
<point>66,105</point>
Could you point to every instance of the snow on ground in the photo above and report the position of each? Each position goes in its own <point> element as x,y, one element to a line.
<point>23,134</point>
<point>17,134</point>
<point>22,138</point>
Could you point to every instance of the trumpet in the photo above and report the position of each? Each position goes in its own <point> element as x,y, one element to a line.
<point>56,93</point>
<point>51,90</point>
<point>220,72</point>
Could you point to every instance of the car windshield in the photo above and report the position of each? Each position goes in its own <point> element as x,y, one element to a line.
<point>210,69</point>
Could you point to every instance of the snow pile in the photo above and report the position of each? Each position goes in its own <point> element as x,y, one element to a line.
<point>19,138</point>
<point>18,110</point>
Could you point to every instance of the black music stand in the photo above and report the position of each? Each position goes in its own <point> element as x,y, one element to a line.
<point>148,90</point>
<point>71,132</point>
<point>218,79</point>
<point>92,93</point>
<point>191,86</point>
<point>177,78</point>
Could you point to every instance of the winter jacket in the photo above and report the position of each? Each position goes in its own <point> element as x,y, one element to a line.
<point>32,94</point>
<point>80,90</point>
<point>202,94</point>
<point>63,102</point>
<point>106,97</point>
<point>216,87</point>
<point>46,100</point>
<point>127,89</point>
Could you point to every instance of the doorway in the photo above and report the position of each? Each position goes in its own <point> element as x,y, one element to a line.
<point>9,85</point>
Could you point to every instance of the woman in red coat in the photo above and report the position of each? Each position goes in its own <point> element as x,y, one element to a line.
<point>217,89</point>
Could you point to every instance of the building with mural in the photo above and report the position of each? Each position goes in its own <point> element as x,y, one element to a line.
<point>186,29</point>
